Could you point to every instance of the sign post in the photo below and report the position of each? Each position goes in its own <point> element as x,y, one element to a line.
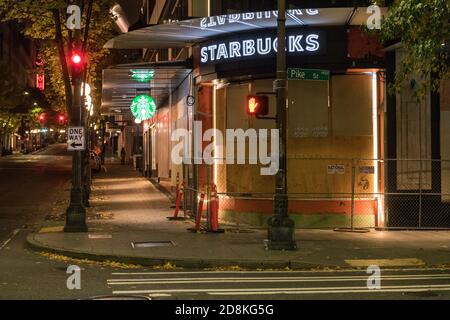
<point>76,212</point>
<point>280,226</point>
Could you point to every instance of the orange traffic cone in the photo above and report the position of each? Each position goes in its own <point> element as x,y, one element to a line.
<point>179,197</point>
<point>214,211</point>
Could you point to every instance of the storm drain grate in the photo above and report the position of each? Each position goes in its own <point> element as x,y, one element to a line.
<point>152,244</point>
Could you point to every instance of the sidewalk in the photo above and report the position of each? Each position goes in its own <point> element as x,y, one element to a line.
<point>126,208</point>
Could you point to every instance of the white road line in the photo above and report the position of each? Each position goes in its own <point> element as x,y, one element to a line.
<point>159,295</point>
<point>264,280</point>
<point>13,234</point>
<point>324,292</point>
<point>443,275</point>
<point>288,290</point>
<point>270,272</point>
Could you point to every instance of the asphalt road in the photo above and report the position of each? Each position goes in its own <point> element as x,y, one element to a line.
<point>284,285</point>
<point>28,184</point>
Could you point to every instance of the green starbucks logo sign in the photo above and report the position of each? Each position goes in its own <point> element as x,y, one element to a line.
<point>143,107</point>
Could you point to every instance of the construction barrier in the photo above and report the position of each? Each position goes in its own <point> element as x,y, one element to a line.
<point>179,196</point>
<point>198,217</point>
<point>214,211</point>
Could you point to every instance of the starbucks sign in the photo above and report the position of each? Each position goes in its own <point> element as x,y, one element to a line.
<point>143,107</point>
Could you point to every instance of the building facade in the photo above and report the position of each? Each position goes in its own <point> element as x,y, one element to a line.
<point>19,55</point>
<point>345,165</point>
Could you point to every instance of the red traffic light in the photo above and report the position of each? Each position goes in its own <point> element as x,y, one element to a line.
<point>76,64</point>
<point>257,105</point>
<point>41,118</point>
<point>76,58</point>
<point>62,119</point>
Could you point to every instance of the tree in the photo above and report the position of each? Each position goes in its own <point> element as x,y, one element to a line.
<point>424,31</point>
<point>45,21</point>
<point>15,107</point>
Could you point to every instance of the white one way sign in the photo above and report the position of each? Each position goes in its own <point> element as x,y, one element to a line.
<point>75,139</point>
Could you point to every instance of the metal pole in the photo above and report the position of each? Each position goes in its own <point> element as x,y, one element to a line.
<point>208,197</point>
<point>85,154</point>
<point>103,131</point>
<point>420,192</point>
<point>352,217</point>
<point>184,190</point>
<point>76,212</point>
<point>280,226</point>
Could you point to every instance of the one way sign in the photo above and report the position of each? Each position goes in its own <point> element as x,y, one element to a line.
<point>75,139</point>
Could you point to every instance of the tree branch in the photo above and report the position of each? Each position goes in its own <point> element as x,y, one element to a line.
<point>62,58</point>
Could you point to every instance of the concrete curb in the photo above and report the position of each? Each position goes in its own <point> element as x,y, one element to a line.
<point>183,263</point>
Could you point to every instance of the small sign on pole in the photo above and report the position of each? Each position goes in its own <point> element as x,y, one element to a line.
<point>76,139</point>
<point>308,74</point>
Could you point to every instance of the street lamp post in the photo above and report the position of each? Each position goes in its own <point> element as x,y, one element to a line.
<point>76,212</point>
<point>280,226</point>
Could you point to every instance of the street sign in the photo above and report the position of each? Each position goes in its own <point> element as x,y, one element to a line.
<point>75,139</point>
<point>308,74</point>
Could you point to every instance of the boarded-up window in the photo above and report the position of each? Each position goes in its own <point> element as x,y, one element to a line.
<point>308,108</point>
<point>413,140</point>
<point>352,105</point>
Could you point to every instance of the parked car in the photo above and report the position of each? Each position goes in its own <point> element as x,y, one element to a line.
<point>95,162</point>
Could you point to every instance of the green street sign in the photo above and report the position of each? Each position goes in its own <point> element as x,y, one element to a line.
<point>308,74</point>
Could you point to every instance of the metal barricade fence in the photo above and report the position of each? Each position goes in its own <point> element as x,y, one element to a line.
<point>333,192</point>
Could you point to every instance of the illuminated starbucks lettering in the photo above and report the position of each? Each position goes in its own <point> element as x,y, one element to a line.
<point>249,17</point>
<point>296,44</point>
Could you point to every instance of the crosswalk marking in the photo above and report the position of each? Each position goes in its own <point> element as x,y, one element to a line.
<point>269,279</point>
<point>245,283</point>
<point>263,271</point>
<point>256,291</point>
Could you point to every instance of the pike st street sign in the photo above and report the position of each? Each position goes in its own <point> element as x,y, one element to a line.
<point>308,74</point>
<point>75,139</point>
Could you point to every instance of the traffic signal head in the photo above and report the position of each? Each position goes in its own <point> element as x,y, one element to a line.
<point>257,105</point>
<point>75,58</point>
<point>76,63</point>
<point>61,119</point>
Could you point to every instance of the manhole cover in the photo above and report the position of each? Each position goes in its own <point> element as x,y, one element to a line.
<point>152,244</point>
